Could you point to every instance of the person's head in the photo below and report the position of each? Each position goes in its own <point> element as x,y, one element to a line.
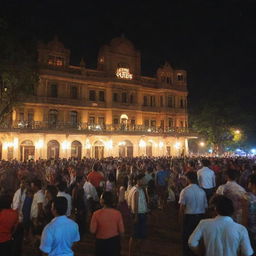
<point>5,202</point>
<point>232,174</point>
<point>80,181</point>
<point>205,162</point>
<point>62,186</point>
<point>59,206</point>
<point>36,185</point>
<point>139,179</point>
<point>97,167</point>
<point>222,205</point>
<point>191,177</point>
<point>23,183</point>
<point>252,182</point>
<point>107,199</point>
<point>160,166</point>
<point>51,192</point>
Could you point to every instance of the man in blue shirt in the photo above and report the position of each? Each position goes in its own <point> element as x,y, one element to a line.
<point>162,177</point>
<point>60,234</point>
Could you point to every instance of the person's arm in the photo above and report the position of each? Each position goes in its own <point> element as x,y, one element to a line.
<point>46,241</point>
<point>121,225</point>
<point>40,210</point>
<point>245,244</point>
<point>93,224</point>
<point>182,203</point>
<point>245,206</point>
<point>195,238</point>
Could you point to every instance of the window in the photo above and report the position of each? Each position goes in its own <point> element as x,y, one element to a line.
<point>162,124</point>
<point>170,122</point>
<point>181,103</point>
<point>73,92</point>
<point>145,101</point>
<point>101,121</point>
<point>51,60</point>
<point>115,97</point>
<point>54,91</point>
<point>53,117</point>
<point>91,120</point>
<point>124,97</point>
<point>146,123</point>
<point>153,123</point>
<point>161,101</point>
<point>101,96</point>
<point>152,101</point>
<point>92,95</point>
<point>179,77</point>
<point>131,98</point>
<point>73,118</point>
<point>133,122</point>
<point>170,102</point>
<point>30,116</point>
<point>181,123</point>
<point>115,121</point>
<point>21,116</point>
<point>59,61</point>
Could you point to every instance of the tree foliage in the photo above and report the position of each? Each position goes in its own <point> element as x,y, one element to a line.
<point>18,69</point>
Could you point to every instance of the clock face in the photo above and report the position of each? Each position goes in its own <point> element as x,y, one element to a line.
<point>123,73</point>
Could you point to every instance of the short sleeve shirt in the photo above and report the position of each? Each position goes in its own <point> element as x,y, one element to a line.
<point>58,237</point>
<point>37,199</point>
<point>8,219</point>
<point>107,223</point>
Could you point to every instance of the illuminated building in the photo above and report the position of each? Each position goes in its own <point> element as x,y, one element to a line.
<point>112,110</point>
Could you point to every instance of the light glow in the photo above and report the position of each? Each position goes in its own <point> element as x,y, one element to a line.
<point>109,144</point>
<point>7,145</point>
<point>15,143</point>
<point>201,144</point>
<point>39,144</point>
<point>177,145</point>
<point>123,73</point>
<point>142,144</point>
<point>88,144</point>
<point>161,144</point>
<point>65,145</point>
<point>122,143</point>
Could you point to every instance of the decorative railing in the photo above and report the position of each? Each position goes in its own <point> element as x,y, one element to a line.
<point>90,128</point>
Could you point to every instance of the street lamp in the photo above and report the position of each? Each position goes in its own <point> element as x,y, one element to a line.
<point>237,131</point>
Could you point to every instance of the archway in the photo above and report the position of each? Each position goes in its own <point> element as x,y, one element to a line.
<point>98,150</point>
<point>125,149</point>
<point>123,121</point>
<point>53,149</point>
<point>149,148</point>
<point>76,149</point>
<point>27,150</point>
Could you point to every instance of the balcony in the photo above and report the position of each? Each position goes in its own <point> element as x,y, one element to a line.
<point>58,127</point>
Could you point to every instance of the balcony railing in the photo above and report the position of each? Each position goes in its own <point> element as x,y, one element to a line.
<point>90,128</point>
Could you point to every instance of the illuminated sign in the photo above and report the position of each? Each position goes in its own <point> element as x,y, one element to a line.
<point>124,73</point>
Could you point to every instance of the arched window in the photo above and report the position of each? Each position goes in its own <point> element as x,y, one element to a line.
<point>53,118</point>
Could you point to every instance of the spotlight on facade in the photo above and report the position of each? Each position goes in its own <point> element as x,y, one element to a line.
<point>201,144</point>
<point>237,131</point>
<point>65,145</point>
<point>109,144</point>
<point>142,144</point>
<point>39,144</point>
<point>177,145</point>
<point>15,143</point>
<point>7,145</point>
<point>122,143</point>
<point>161,144</point>
<point>88,144</point>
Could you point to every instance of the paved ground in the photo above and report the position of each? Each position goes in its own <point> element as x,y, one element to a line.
<point>163,237</point>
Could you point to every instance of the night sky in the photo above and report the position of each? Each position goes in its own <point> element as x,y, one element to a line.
<point>215,41</point>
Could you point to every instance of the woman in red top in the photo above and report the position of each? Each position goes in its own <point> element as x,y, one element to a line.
<point>107,225</point>
<point>8,222</point>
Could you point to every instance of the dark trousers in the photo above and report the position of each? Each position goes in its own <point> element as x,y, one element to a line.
<point>6,248</point>
<point>190,222</point>
<point>110,246</point>
<point>18,240</point>
<point>209,193</point>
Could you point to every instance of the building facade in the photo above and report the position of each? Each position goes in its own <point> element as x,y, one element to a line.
<point>112,110</point>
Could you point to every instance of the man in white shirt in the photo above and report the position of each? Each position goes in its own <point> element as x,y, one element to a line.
<point>206,178</point>
<point>234,192</point>
<point>193,204</point>
<point>36,213</point>
<point>221,236</point>
<point>62,187</point>
<point>60,234</point>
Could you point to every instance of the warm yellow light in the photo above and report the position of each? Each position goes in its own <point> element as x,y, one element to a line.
<point>7,145</point>
<point>123,73</point>
<point>161,144</point>
<point>121,143</point>
<point>177,145</point>
<point>142,144</point>
<point>88,144</point>
<point>15,143</point>
<point>39,144</point>
<point>65,145</point>
<point>202,144</point>
<point>124,116</point>
<point>237,131</point>
<point>109,144</point>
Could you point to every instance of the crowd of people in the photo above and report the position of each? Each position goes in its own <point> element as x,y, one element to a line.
<point>52,204</point>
